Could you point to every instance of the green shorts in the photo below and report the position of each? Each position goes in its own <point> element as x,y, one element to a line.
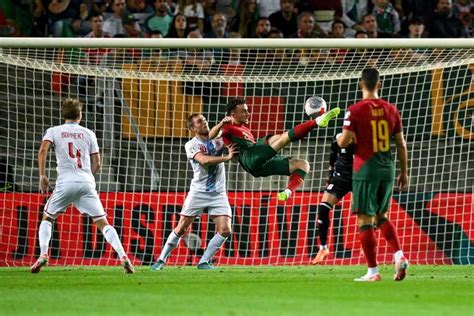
<point>261,160</point>
<point>371,197</point>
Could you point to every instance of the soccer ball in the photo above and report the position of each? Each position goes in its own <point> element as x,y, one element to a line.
<point>315,106</point>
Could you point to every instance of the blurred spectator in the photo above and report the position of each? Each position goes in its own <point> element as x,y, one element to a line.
<point>353,11</point>
<point>139,6</point>
<point>416,28</point>
<point>156,34</point>
<point>113,25</point>
<point>388,20</point>
<point>462,10</point>
<point>130,25</point>
<point>263,28</point>
<point>178,27</point>
<point>268,7</point>
<point>161,20</point>
<point>209,7</point>
<point>197,60</point>
<point>97,22</point>
<point>285,19</point>
<point>62,14</point>
<point>307,27</point>
<point>219,26</point>
<point>422,8</point>
<point>338,29</point>
<point>245,21</point>
<point>369,24</point>
<point>361,34</point>
<point>194,12</point>
<point>234,53</point>
<point>16,19</point>
<point>326,5</point>
<point>445,24</point>
<point>324,11</point>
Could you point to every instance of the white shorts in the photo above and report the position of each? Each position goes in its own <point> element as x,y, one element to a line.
<point>82,194</point>
<point>217,204</point>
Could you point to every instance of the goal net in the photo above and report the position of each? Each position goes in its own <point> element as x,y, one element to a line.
<point>137,96</point>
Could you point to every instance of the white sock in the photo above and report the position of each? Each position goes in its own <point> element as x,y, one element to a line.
<point>321,247</point>
<point>288,193</point>
<point>397,255</point>
<point>214,245</point>
<point>171,243</point>
<point>113,239</point>
<point>372,271</point>
<point>44,235</point>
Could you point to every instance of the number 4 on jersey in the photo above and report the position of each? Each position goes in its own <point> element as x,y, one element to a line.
<point>77,155</point>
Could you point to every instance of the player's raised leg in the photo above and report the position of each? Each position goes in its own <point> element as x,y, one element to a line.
<point>390,234</point>
<point>300,131</point>
<point>298,170</point>
<point>173,241</point>
<point>113,239</point>
<point>44,236</point>
<point>223,226</point>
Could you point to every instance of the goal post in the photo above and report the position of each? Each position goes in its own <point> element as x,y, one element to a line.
<point>138,94</point>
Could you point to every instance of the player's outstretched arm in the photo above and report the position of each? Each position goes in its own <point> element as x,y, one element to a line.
<point>402,153</point>
<point>95,163</point>
<point>42,153</point>
<point>206,160</point>
<point>345,138</point>
<point>216,129</point>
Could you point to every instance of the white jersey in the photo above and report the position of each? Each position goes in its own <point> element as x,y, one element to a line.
<point>210,178</point>
<point>73,145</point>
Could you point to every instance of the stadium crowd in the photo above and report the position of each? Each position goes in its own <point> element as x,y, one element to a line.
<point>238,18</point>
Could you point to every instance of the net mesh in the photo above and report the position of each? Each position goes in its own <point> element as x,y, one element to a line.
<point>137,101</point>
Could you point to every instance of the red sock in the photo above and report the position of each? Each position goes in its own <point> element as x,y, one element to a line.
<point>296,180</point>
<point>301,130</point>
<point>390,234</point>
<point>369,245</point>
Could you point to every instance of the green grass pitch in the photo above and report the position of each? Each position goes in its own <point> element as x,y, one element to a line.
<point>305,290</point>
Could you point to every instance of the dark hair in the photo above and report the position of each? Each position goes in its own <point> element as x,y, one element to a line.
<point>190,121</point>
<point>361,32</point>
<point>274,30</point>
<point>172,32</point>
<point>366,15</point>
<point>232,104</point>
<point>95,14</point>
<point>337,21</point>
<point>370,77</point>
<point>71,109</point>
<point>416,20</point>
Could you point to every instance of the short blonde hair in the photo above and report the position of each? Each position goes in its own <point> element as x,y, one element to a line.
<point>71,109</point>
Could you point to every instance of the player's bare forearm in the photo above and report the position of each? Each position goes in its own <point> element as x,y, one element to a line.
<point>402,152</point>
<point>210,160</point>
<point>216,129</point>
<point>345,138</point>
<point>207,160</point>
<point>42,153</point>
<point>95,163</point>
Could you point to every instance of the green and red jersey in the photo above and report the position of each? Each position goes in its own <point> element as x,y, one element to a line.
<point>374,122</point>
<point>237,134</point>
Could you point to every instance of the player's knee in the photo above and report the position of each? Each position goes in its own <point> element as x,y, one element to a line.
<point>224,231</point>
<point>181,230</point>
<point>304,165</point>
